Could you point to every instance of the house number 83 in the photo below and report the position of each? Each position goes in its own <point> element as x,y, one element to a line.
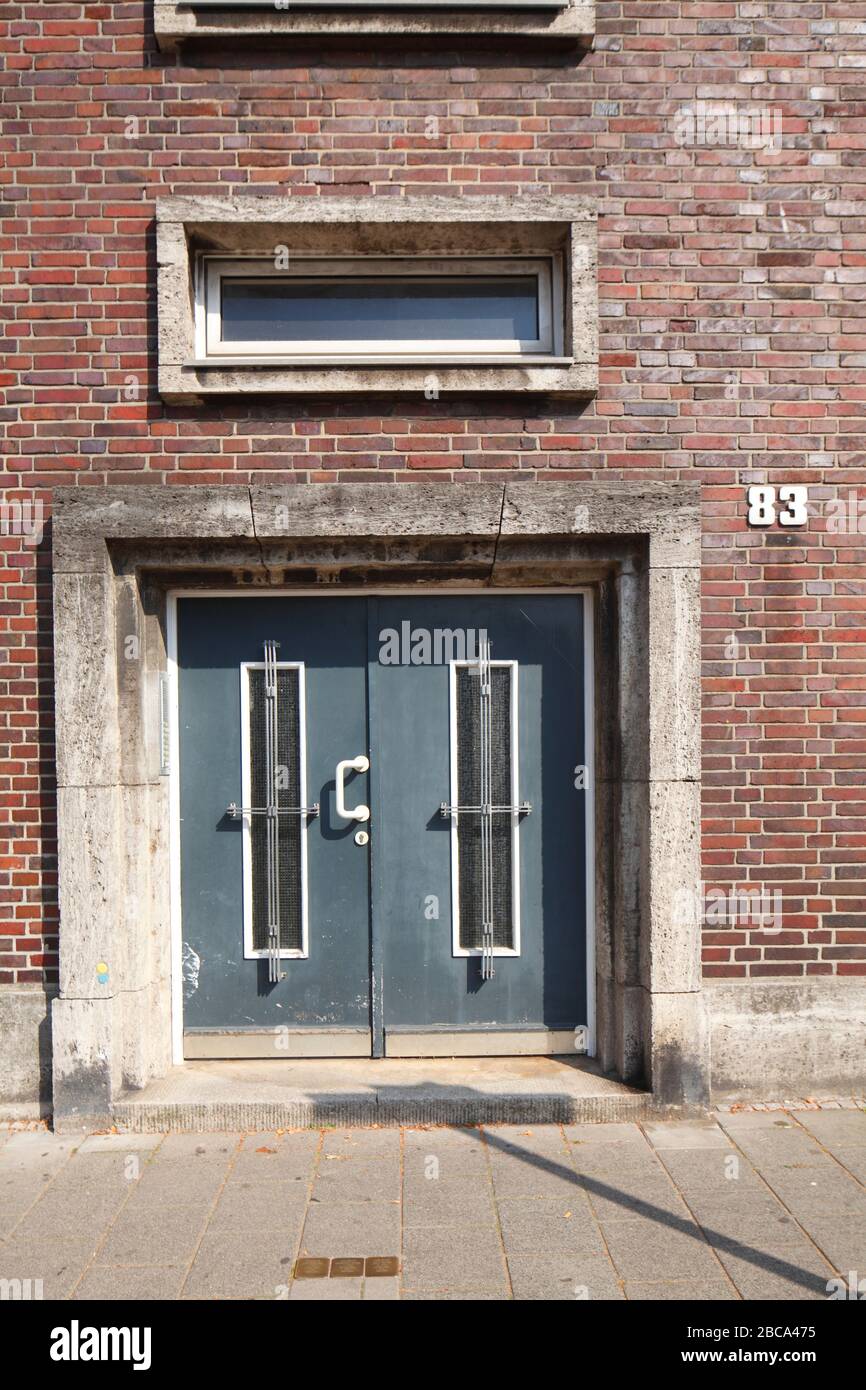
<point>762,505</point>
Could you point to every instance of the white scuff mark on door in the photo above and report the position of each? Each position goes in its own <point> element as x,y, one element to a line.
<point>191,969</point>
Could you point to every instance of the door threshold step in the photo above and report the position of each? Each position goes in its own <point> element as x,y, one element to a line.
<point>256,1096</point>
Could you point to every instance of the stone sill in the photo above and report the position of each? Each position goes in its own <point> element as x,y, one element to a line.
<point>184,383</point>
<point>175,23</point>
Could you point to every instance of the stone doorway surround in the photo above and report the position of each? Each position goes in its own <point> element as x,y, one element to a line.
<point>117,553</point>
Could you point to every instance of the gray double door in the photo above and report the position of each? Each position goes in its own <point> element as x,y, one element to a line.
<point>382,834</point>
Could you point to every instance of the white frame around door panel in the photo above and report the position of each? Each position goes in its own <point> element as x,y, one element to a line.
<point>250,953</point>
<point>456,948</point>
<point>392,591</point>
<point>212,269</point>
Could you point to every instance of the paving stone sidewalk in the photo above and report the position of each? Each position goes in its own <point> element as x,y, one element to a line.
<point>758,1205</point>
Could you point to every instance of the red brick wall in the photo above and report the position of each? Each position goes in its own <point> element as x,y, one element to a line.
<point>732,281</point>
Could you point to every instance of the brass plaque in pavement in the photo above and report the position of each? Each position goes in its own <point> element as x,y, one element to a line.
<point>381,1266</point>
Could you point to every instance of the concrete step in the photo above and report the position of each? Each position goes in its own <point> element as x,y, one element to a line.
<point>297,1094</point>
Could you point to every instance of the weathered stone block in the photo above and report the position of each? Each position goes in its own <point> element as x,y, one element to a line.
<point>674,688</point>
<point>670,889</point>
<point>25,1036</point>
<point>677,1048</point>
<point>787,1038</point>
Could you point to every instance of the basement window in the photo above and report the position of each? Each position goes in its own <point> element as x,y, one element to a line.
<point>374,310</point>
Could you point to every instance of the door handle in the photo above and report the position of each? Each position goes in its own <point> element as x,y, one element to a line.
<point>359,764</point>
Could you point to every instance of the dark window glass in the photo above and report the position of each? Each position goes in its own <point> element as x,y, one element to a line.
<point>418,310</point>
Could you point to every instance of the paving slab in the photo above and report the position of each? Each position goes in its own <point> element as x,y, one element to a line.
<point>841,1240</point>
<point>58,1263</point>
<point>453,1296</point>
<point>758,1121</point>
<point>640,1249</point>
<point>250,1206</point>
<point>76,1213</point>
<point>836,1128</point>
<point>228,1265</point>
<point>37,1145</point>
<point>750,1223</point>
<point>35,1153</point>
<point>18,1193</point>
<point>724,1168</point>
<point>831,1192</point>
<point>105,1283</point>
<point>433,1259</point>
<point>616,1133</point>
<point>136,1239</point>
<point>646,1199</point>
<point>380,1290</point>
<point>201,1146</point>
<point>361,1143</point>
<point>449,1202</point>
<point>621,1158</point>
<point>667,1291</point>
<point>563,1278</point>
<point>162,1182</point>
<point>352,1229</point>
<point>787,1273</point>
<point>853,1160</point>
<point>544,1225</point>
<point>695,1135</point>
<point>451,1139</point>
<point>326,1290</point>
<point>120,1143</point>
<point>356,1180</point>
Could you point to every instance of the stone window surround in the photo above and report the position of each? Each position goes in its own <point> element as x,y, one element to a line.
<point>119,550</point>
<point>176,21</point>
<point>529,224</point>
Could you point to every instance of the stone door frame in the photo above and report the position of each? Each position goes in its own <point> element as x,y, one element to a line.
<point>119,551</point>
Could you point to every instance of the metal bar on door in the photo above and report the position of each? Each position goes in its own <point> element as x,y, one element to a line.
<point>273,845</point>
<point>272,810</point>
<point>486,809</point>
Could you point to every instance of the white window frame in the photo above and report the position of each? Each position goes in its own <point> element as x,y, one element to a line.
<point>246,791</point>
<point>456,948</point>
<point>547,269</point>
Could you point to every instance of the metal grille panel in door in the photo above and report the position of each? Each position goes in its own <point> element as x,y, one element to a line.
<point>470,828</point>
<point>287,794</point>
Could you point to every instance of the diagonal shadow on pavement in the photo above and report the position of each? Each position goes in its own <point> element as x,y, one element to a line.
<point>770,1264</point>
